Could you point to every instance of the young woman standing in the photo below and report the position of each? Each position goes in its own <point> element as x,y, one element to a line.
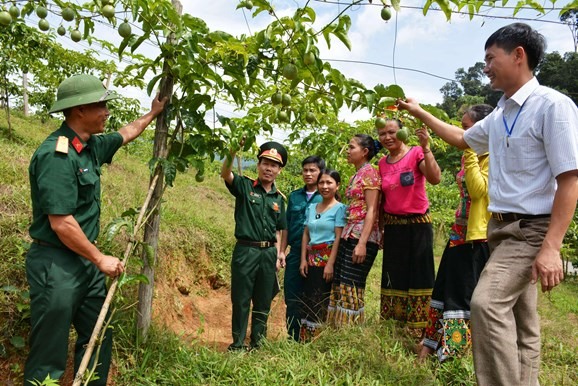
<point>360,238</point>
<point>448,329</point>
<point>324,224</point>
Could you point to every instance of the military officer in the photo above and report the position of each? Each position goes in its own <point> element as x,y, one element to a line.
<point>65,270</point>
<point>259,220</point>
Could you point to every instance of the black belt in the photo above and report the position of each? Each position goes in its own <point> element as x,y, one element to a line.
<point>257,244</point>
<point>507,217</point>
<point>45,244</point>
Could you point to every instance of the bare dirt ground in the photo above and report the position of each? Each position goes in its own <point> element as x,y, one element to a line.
<point>204,315</point>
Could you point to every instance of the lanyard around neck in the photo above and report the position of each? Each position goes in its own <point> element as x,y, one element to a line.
<point>509,130</point>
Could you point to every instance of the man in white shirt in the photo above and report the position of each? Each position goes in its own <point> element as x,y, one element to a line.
<point>532,137</point>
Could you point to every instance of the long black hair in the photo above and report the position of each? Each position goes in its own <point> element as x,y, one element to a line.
<point>366,141</point>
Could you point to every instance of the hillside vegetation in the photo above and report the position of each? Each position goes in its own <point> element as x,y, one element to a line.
<point>195,245</point>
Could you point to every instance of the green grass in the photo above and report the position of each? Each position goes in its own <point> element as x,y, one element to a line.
<point>195,248</point>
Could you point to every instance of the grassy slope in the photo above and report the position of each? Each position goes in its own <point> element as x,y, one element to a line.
<point>197,231</point>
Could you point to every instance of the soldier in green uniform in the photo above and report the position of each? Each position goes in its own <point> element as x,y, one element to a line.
<point>259,220</point>
<point>299,199</point>
<point>65,270</point>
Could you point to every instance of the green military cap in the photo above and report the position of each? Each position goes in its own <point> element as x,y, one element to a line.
<point>81,90</point>
<point>273,151</point>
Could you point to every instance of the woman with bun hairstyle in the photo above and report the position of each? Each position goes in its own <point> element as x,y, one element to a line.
<point>466,253</point>
<point>408,262</point>
<point>324,222</point>
<point>360,238</point>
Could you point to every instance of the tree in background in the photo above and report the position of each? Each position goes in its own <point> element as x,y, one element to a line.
<point>560,73</point>
<point>468,89</point>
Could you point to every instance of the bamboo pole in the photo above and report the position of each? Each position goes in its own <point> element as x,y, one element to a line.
<point>111,291</point>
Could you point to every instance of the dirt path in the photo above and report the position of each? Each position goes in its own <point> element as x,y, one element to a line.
<point>204,315</point>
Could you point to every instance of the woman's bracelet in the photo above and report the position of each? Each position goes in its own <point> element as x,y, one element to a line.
<point>426,150</point>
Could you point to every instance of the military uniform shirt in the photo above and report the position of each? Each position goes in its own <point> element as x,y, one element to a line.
<point>258,214</point>
<point>296,216</point>
<point>69,184</point>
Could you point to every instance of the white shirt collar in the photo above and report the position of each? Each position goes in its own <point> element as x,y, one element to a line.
<point>522,94</point>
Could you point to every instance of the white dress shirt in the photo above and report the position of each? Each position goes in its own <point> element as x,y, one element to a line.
<point>543,143</point>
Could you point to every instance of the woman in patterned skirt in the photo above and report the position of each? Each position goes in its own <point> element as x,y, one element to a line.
<point>360,238</point>
<point>324,224</point>
<point>448,328</point>
<point>408,264</point>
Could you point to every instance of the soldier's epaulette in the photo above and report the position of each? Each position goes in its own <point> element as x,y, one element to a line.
<point>62,145</point>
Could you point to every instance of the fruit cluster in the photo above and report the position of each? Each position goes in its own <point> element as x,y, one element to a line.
<point>68,14</point>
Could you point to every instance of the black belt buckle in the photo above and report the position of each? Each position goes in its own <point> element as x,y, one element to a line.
<point>498,216</point>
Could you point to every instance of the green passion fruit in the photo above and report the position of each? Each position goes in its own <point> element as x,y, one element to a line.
<point>76,36</point>
<point>380,123</point>
<point>402,134</point>
<point>5,18</point>
<point>386,13</point>
<point>41,12</point>
<point>124,30</point>
<point>290,71</point>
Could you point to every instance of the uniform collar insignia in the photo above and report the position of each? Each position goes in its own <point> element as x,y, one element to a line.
<point>77,144</point>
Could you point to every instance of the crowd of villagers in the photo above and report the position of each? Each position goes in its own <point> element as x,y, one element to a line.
<point>334,242</point>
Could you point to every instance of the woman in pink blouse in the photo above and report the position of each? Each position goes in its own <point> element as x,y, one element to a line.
<point>360,237</point>
<point>408,264</point>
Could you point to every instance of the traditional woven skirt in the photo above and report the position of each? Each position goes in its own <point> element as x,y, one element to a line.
<point>346,303</point>
<point>408,269</point>
<point>316,292</point>
<point>448,327</point>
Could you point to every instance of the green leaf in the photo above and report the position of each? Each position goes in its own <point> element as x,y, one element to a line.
<point>170,171</point>
<point>394,91</point>
<point>436,112</point>
<point>18,341</point>
<point>128,279</point>
<point>131,212</point>
<point>426,6</point>
<point>344,38</point>
<point>115,226</point>
<point>395,4</point>
<point>386,102</point>
<point>10,288</point>
<point>326,31</point>
<point>569,7</point>
<point>310,13</point>
<point>138,42</point>
<point>536,5</point>
<point>235,93</point>
<point>445,7</point>
<point>152,83</point>
<point>369,99</point>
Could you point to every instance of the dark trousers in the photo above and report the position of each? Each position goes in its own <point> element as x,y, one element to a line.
<point>293,285</point>
<point>252,281</point>
<point>65,290</point>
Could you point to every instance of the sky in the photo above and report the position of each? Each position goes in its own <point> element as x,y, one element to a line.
<point>423,43</point>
